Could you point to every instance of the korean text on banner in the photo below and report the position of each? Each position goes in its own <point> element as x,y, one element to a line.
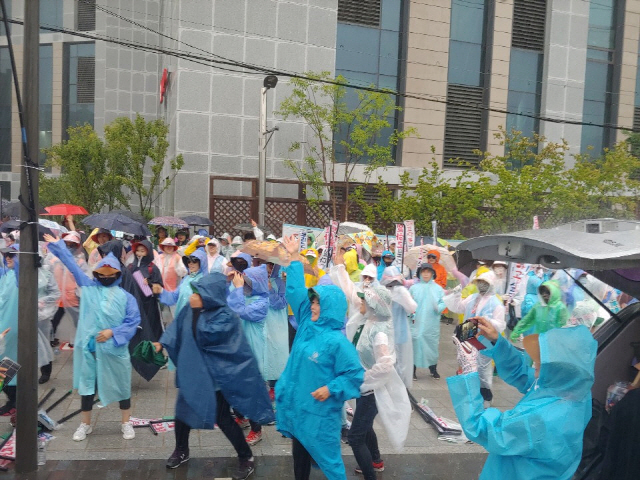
<point>517,272</point>
<point>399,243</point>
<point>303,240</point>
<point>410,233</point>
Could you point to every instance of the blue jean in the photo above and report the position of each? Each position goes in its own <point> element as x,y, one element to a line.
<point>362,438</point>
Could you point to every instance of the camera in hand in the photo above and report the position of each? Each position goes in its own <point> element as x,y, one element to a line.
<point>468,332</point>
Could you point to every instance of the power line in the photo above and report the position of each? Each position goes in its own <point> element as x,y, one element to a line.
<point>255,69</point>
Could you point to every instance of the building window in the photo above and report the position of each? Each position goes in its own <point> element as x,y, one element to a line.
<point>50,14</point>
<point>86,15</point>
<point>46,100</point>
<point>6,86</point>
<point>79,71</point>
<point>5,192</point>
<point>525,66</point>
<point>465,77</point>
<point>7,5</point>
<point>368,52</point>
<point>598,87</point>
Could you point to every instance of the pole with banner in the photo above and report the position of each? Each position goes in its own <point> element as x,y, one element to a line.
<point>400,241</point>
<point>434,226</point>
<point>410,233</point>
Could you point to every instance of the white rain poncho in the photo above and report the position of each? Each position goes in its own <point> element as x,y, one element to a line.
<point>487,305</point>
<point>48,296</point>
<point>403,305</point>
<point>376,349</point>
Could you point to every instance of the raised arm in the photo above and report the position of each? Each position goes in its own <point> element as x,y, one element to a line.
<point>59,249</point>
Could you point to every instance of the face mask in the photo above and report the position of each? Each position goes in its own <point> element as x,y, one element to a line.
<point>107,282</point>
<point>377,259</point>
<point>582,280</point>
<point>482,288</point>
<point>387,261</point>
<point>539,272</point>
<point>366,283</point>
<point>499,270</point>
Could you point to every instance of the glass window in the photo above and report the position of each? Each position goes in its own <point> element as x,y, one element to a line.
<point>77,112</point>
<point>6,85</point>
<point>525,68</point>
<point>50,14</point>
<point>391,15</point>
<point>389,49</point>
<point>637,100</point>
<point>467,20</point>
<point>46,99</point>
<point>7,4</point>
<point>465,63</point>
<point>5,191</point>
<point>357,48</point>
<point>601,21</point>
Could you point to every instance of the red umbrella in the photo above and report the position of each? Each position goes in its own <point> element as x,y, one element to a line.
<point>65,209</point>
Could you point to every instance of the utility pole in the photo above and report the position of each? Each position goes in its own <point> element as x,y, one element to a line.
<point>270,81</point>
<point>27,399</point>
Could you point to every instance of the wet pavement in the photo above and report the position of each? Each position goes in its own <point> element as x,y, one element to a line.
<point>106,455</point>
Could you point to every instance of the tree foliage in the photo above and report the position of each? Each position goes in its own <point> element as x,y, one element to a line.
<point>505,191</point>
<point>140,147</point>
<point>347,130</point>
<point>105,174</point>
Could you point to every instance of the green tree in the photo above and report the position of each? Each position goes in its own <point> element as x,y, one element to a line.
<point>343,138</point>
<point>87,177</point>
<point>140,147</point>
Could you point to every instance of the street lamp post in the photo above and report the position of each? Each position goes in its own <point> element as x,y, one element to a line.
<point>270,81</point>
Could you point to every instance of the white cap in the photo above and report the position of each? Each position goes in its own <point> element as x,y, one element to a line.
<point>271,237</point>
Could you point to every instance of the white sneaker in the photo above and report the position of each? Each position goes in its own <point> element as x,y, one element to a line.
<point>82,432</point>
<point>128,432</point>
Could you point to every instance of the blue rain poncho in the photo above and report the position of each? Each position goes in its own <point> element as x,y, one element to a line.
<point>9,308</point>
<point>541,437</point>
<point>251,304</point>
<point>321,355</point>
<point>211,353</point>
<point>180,297</point>
<point>531,295</point>
<point>106,364</point>
<point>276,329</point>
<point>425,329</point>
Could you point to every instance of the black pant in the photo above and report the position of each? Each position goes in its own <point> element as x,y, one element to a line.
<point>11,392</point>
<point>301,461</point>
<point>86,403</point>
<point>292,335</point>
<point>362,438</point>
<point>226,423</point>
<point>55,321</point>
<point>46,369</point>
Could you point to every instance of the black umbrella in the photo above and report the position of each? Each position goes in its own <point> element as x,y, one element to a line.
<point>132,215</point>
<point>13,209</point>
<point>118,222</point>
<point>12,225</point>
<point>197,220</point>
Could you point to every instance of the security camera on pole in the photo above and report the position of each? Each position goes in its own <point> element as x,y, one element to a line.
<point>270,81</point>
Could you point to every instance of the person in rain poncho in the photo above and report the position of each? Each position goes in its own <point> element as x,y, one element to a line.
<point>351,263</point>
<point>109,317</point>
<point>215,261</point>
<point>249,299</point>
<point>440,276</point>
<point>160,236</point>
<point>215,369</point>
<point>382,392</point>
<point>69,302</point>
<point>499,269</point>
<point>535,277</point>
<point>182,237</point>
<point>323,371</point>
<point>425,329</point>
<point>171,266</point>
<point>99,237</point>
<point>541,436</point>
<point>584,313</point>
<point>9,318</point>
<point>196,265</point>
<point>311,279</point>
<point>275,329</point>
<point>403,307</point>
<point>48,297</point>
<point>548,313</point>
<point>484,304</point>
<point>225,246</point>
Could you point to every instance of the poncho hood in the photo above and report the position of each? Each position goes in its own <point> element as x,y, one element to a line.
<point>213,290</point>
<point>333,307</point>
<point>556,293</point>
<point>200,255</point>
<point>259,280</point>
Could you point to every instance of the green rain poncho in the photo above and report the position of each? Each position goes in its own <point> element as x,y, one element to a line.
<point>543,316</point>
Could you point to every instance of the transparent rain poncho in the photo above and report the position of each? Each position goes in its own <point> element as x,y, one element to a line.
<point>376,348</point>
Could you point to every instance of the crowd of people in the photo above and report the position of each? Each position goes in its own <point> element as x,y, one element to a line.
<point>256,342</point>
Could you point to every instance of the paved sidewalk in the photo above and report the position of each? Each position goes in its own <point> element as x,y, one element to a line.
<point>156,399</point>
